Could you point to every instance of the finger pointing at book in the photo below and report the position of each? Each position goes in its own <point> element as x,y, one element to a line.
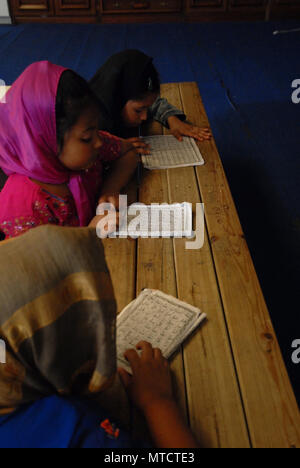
<point>139,145</point>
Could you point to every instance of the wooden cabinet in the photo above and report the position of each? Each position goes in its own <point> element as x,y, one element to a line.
<point>52,8</point>
<point>200,4</point>
<point>230,8</point>
<point>140,10</point>
<point>135,6</point>
<point>75,7</point>
<point>247,3</point>
<point>23,8</point>
<point>206,10</point>
<point>287,2</point>
<point>114,11</point>
<point>285,9</point>
<point>253,6</point>
<point>202,9</point>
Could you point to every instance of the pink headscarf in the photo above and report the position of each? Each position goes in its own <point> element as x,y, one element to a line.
<point>28,144</point>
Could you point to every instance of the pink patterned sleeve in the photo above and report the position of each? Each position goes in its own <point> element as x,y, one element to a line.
<point>14,227</point>
<point>111,148</point>
<point>46,209</point>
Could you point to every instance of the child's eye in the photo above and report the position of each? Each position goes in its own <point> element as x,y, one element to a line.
<point>86,140</point>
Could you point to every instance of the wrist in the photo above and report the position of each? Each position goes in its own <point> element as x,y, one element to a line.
<point>167,425</point>
<point>108,193</point>
<point>110,189</point>
<point>172,120</point>
<point>157,406</point>
<point>126,147</point>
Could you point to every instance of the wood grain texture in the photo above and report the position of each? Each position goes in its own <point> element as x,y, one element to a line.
<point>155,262</point>
<point>120,256</point>
<point>271,409</point>
<point>214,401</point>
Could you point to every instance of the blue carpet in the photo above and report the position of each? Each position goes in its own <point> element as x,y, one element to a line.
<point>244,73</point>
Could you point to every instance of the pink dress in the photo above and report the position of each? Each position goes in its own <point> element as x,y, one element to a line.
<point>25,205</point>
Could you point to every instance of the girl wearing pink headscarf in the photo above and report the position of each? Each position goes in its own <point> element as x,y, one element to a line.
<point>53,152</point>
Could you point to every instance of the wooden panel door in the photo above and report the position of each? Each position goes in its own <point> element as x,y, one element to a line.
<point>142,6</point>
<point>75,7</point>
<point>32,7</point>
<point>199,6</point>
<point>284,9</point>
<point>287,2</point>
<point>247,5</point>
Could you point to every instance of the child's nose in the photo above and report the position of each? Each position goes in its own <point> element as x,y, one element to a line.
<point>144,115</point>
<point>98,142</point>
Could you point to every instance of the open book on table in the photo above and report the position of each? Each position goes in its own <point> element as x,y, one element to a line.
<point>167,152</point>
<point>158,318</point>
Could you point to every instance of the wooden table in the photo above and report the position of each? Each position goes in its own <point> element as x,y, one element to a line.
<point>230,379</point>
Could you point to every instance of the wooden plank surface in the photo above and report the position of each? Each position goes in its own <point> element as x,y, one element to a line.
<point>121,260</point>
<point>155,262</point>
<point>215,407</point>
<point>270,405</point>
<point>120,255</point>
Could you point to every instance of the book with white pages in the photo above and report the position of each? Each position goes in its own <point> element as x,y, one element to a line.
<point>167,152</point>
<point>158,318</point>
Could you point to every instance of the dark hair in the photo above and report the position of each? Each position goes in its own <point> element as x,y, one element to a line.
<point>73,97</point>
<point>149,83</point>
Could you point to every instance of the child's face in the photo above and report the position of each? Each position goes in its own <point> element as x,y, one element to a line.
<point>82,142</point>
<point>134,113</point>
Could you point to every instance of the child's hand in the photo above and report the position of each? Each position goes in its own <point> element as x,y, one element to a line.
<point>180,129</point>
<point>109,225</point>
<point>112,198</point>
<point>151,380</point>
<point>138,145</point>
<point>150,389</point>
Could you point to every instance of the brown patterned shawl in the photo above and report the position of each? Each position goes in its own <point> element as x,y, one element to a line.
<point>57,316</point>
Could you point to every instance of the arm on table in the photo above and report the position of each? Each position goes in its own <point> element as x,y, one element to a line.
<point>150,389</point>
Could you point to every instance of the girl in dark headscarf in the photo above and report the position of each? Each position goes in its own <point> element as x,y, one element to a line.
<point>128,85</point>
